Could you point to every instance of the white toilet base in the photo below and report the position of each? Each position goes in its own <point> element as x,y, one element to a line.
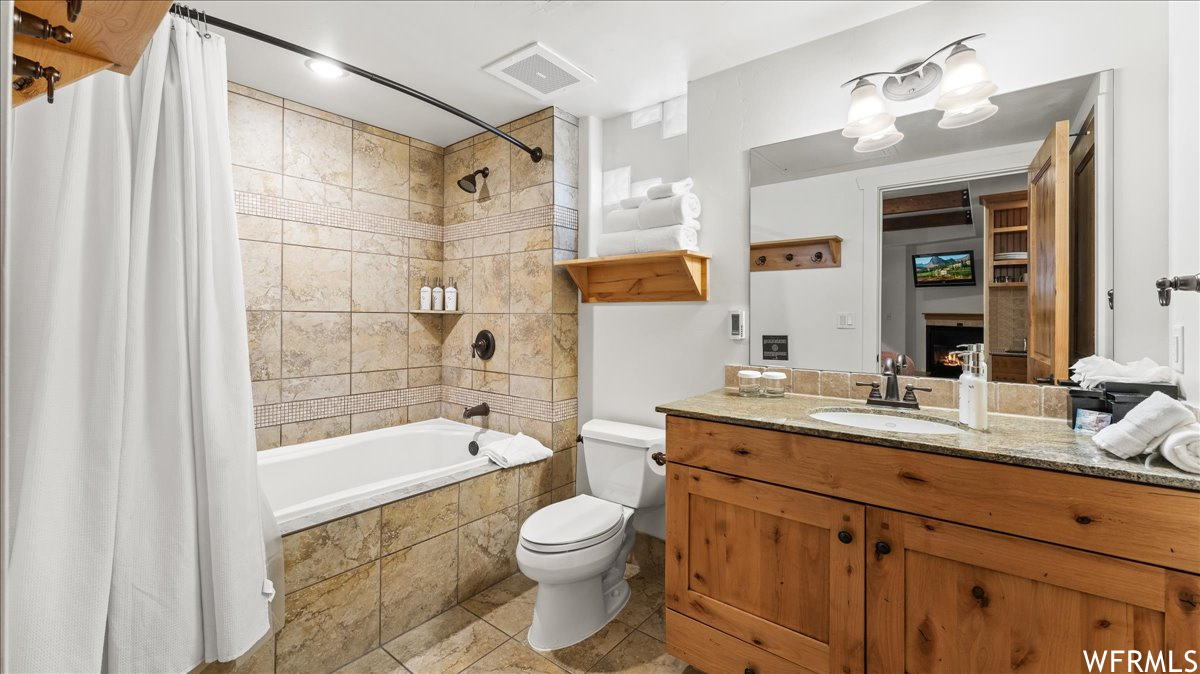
<point>578,600</point>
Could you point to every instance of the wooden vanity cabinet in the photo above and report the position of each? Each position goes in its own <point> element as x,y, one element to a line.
<point>789,553</point>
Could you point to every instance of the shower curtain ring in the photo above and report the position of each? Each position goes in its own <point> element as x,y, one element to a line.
<point>204,15</point>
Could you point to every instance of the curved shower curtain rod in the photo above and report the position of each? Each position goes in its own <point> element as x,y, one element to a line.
<point>535,153</point>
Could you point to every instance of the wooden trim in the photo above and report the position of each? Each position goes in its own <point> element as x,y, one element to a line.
<point>1181,622</point>
<point>926,202</point>
<point>773,255</point>
<point>927,221</point>
<point>671,276</point>
<point>715,651</point>
<point>885,592</point>
<point>1005,199</point>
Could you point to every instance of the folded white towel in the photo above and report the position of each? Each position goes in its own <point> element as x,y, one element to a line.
<point>670,211</point>
<point>516,450</point>
<point>621,220</point>
<point>1092,371</point>
<point>670,189</point>
<point>678,237</point>
<point>1182,447</point>
<point>1144,427</point>
<point>632,202</point>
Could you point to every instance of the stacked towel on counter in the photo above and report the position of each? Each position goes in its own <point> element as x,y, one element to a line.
<point>1092,371</point>
<point>664,219</point>
<point>1146,427</point>
<point>1182,447</point>
<point>677,237</point>
<point>515,451</point>
<point>670,189</point>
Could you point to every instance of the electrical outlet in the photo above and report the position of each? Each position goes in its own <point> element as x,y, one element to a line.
<point>1177,348</point>
<point>845,321</point>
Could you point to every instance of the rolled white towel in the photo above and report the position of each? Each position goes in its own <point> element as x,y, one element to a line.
<point>1182,447</point>
<point>1145,427</point>
<point>670,211</point>
<point>670,189</point>
<point>649,241</point>
<point>516,450</point>
<point>632,202</point>
<point>1092,371</point>
<point>621,220</point>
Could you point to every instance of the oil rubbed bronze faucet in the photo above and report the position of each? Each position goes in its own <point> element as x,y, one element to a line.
<point>891,371</point>
<point>480,410</point>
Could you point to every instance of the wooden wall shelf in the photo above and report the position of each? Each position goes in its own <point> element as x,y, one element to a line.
<point>108,35</point>
<point>820,252</point>
<point>673,276</point>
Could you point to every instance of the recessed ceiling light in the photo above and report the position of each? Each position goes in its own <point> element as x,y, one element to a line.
<point>325,69</point>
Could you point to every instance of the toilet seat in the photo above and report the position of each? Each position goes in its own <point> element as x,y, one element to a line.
<point>573,524</point>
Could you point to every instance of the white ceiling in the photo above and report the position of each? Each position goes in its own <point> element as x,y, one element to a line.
<point>639,52</point>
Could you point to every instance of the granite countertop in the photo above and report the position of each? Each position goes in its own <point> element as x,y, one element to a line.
<point>1023,441</point>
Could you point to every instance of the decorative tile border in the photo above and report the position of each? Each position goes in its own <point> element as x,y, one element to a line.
<point>541,216</point>
<point>539,410</point>
<point>248,203</point>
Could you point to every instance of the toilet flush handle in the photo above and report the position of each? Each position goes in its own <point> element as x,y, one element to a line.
<point>660,458</point>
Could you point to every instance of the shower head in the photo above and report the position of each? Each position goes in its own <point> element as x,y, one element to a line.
<point>467,183</point>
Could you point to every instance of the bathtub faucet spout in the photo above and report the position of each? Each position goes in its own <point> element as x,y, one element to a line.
<point>480,410</point>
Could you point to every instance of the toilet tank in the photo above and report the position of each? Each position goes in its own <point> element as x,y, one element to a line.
<point>616,460</point>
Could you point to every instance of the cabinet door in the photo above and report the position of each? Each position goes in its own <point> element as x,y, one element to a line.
<point>949,598</point>
<point>777,568</point>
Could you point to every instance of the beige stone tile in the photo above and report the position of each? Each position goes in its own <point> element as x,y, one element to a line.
<point>486,551</point>
<point>566,239</point>
<point>458,213</point>
<point>563,467</point>
<point>493,153</point>
<point>527,508</point>
<point>586,654</point>
<point>456,346</point>
<point>263,96</point>
<point>265,392</point>
<point>507,605</point>
<point>731,375</point>
<point>315,279</point>
<point>835,384</point>
<point>381,244</point>
<point>566,345</point>
<point>563,493</point>
<point>425,177</point>
<point>1056,402</point>
<point>262,275</point>
<point>424,411</point>
<point>513,658</point>
<point>457,164</point>
<point>566,388</point>
<point>489,382</point>
<point>256,228</point>
<point>460,145</point>
<point>544,113</point>
<point>429,147</point>
<point>379,283</point>
<point>489,204</point>
<point>537,238</point>
<point>255,133</point>
<point>418,583</point>
<point>655,625</point>
<point>316,149</point>
<point>383,380</point>
<point>944,393</point>
<point>1024,399</point>
<point>486,494</point>
<point>566,116</point>
<point>424,340</point>
<point>532,349</point>
<point>456,376</point>
<point>524,172</point>
<point>378,204</point>
<point>532,197</point>
<point>376,662</point>
<point>458,249</point>
<point>458,272</point>
<point>501,328</point>
<point>426,213</point>
<point>565,433</point>
<point>317,112</point>
<point>530,277</point>
<point>645,597</point>
<point>380,342</point>
<point>324,551</point>
<point>448,643</point>
<point>566,153</point>
<point>424,376</point>
<point>315,343</point>
<point>567,196</point>
<point>535,479</point>
<point>262,332</point>
<point>542,431</point>
<point>425,249</point>
<point>384,133</point>
<point>314,192</point>
<point>380,165</point>
<point>316,236</point>
<point>361,422</point>
<point>566,294</point>
<point>331,623</point>
<point>266,438</point>
<point>533,388</point>
<point>640,654</point>
<point>490,285</point>
<point>308,388</point>
<point>492,244</point>
<point>257,181</point>
<point>315,429</point>
<point>419,518</point>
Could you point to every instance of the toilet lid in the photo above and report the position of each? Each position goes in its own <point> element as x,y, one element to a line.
<point>576,523</point>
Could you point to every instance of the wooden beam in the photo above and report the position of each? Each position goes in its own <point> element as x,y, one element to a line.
<point>1004,197</point>
<point>927,202</point>
<point>948,219</point>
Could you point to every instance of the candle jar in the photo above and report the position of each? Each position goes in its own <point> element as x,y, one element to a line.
<point>774,384</point>
<point>749,383</point>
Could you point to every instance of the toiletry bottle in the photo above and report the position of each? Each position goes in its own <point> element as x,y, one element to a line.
<point>437,294</point>
<point>972,387</point>
<point>451,296</point>
<point>426,294</point>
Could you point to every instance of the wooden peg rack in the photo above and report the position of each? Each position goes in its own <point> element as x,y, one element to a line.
<point>821,252</point>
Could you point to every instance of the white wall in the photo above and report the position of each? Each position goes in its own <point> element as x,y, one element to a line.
<point>648,354</point>
<point>1184,176</point>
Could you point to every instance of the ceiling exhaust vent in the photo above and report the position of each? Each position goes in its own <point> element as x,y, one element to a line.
<point>539,72</point>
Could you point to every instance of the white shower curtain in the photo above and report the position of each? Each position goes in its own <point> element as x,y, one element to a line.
<point>136,538</point>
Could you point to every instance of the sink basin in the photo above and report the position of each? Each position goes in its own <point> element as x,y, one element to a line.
<point>886,422</point>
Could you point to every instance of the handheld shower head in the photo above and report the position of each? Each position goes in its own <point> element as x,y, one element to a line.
<point>467,182</point>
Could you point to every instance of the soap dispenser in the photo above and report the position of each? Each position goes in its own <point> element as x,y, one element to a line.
<point>437,294</point>
<point>426,294</point>
<point>972,387</point>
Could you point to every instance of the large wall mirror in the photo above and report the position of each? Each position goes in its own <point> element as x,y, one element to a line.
<point>997,233</point>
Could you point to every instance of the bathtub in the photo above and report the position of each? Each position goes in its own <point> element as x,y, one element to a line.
<point>315,482</point>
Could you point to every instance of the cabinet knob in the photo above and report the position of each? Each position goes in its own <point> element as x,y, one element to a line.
<point>748,670</point>
<point>882,548</point>
<point>845,536</point>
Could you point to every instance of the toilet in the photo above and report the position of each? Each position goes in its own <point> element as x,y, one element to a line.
<point>576,549</point>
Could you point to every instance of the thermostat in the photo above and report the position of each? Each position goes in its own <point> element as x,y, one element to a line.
<point>737,324</point>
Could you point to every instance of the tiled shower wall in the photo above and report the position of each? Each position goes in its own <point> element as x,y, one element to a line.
<point>340,221</point>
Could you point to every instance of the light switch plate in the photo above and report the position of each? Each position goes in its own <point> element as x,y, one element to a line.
<point>1177,348</point>
<point>845,321</point>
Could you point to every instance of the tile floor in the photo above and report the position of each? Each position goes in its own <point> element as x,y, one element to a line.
<point>486,633</point>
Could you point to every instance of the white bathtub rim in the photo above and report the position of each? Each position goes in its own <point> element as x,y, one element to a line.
<point>269,456</point>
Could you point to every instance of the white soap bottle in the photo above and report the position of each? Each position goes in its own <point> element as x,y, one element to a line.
<point>426,294</point>
<point>451,296</point>
<point>437,294</point>
<point>972,388</point>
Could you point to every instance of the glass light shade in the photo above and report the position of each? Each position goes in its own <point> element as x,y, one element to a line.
<point>966,82</point>
<point>879,141</point>
<point>868,113</point>
<point>972,114</point>
<point>325,69</point>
